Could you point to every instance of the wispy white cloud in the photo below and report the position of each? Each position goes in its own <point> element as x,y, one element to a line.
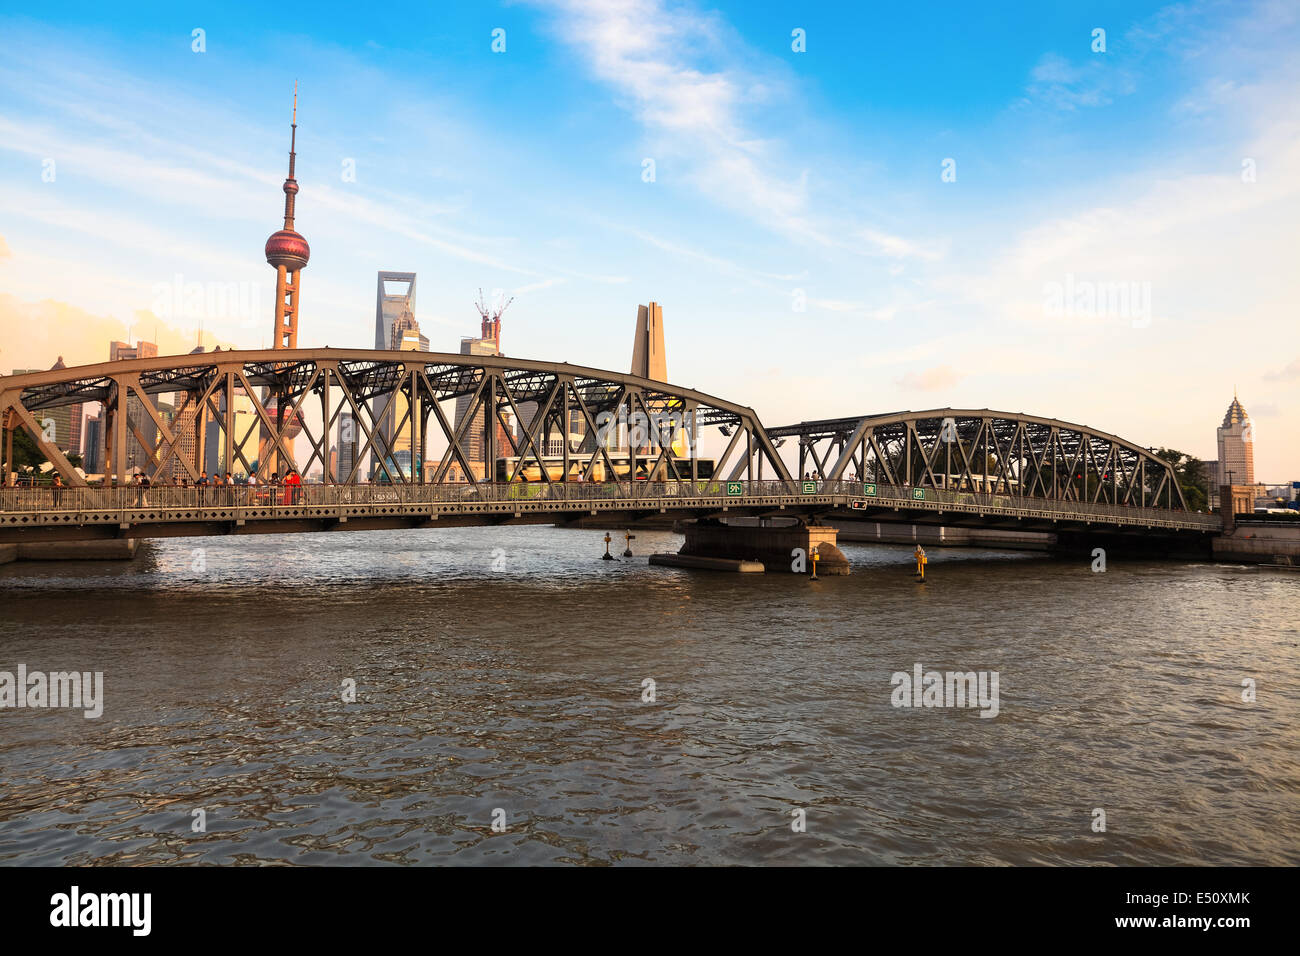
<point>1288,373</point>
<point>896,247</point>
<point>539,286</point>
<point>692,83</point>
<point>859,310</point>
<point>1064,85</point>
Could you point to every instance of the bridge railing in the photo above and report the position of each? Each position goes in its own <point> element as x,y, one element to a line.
<point>903,496</point>
<point>654,494</point>
<point>173,497</point>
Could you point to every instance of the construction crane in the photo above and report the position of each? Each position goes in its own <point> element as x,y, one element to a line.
<point>491,319</point>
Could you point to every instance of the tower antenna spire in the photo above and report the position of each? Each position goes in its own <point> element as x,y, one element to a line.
<point>293,133</point>
<point>291,184</point>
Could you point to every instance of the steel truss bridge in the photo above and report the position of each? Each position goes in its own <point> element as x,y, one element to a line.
<point>946,466</point>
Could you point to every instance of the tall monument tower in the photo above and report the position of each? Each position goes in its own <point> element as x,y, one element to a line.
<point>288,252</point>
<point>649,360</point>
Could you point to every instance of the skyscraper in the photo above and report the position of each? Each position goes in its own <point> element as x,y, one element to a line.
<point>288,252</point>
<point>406,330</point>
<point>62,424</point>
<point>69,419</point>
<point>137,419</point>
<point>94,458</point>
<point>474,445</point>
<point>396,429</point>
<point>394,316</point>
<point>124,352</point>
<point>1236,446</point>
<point>389,306</point>
<point>348,443</point>
<point>191,427</point>
<point>220,453</point>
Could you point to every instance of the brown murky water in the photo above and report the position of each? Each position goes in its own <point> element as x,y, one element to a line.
<point>502,669</point>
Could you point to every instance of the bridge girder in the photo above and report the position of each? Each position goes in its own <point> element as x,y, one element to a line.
<point>986,450</point>
<point>392,397</point>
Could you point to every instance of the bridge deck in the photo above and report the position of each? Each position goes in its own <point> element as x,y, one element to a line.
<point>28,515</point>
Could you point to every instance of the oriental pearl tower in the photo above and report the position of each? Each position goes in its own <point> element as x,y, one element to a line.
<point>288,252</point>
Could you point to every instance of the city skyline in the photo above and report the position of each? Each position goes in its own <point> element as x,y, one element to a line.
<point>935,301</point>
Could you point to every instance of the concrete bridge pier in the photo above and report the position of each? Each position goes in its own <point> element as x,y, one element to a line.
<point>777,544</point>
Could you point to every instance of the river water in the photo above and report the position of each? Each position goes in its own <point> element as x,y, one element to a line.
<point>500,713</point>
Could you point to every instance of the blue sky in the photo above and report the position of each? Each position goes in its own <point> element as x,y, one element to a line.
<point>810,258</point>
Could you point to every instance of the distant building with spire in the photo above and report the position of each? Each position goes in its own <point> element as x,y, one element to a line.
<point>1236,446</point>
<point>395,429</point>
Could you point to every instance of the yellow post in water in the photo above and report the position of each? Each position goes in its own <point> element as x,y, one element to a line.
<point>814,557</point>
<point>920,563</point>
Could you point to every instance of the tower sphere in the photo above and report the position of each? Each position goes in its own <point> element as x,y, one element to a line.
<point>287,248</point>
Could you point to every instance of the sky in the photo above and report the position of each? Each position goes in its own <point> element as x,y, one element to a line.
<point>1086,211</point>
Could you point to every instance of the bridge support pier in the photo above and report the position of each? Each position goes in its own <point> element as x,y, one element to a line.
<point>109,549</point>
<point>780,544</point>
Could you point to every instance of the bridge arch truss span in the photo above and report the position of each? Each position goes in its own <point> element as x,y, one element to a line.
<point>394,398</point>
<point>986,451</point>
